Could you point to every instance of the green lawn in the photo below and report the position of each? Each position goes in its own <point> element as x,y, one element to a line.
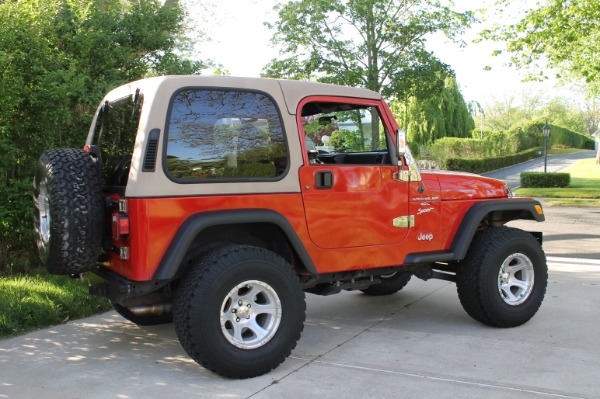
<point>30,302</point>
<point>562,151</point>
<point>584,188</point>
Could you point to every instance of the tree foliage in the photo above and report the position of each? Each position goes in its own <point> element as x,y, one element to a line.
<point>57,59</point>
<point>515,112</point>
<point>559,34</point>
<point>428,119</point>
<point>375,44</point>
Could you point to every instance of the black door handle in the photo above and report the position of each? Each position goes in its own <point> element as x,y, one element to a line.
<point>324,179</point>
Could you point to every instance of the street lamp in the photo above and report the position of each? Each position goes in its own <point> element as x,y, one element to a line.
<point>546,131</point>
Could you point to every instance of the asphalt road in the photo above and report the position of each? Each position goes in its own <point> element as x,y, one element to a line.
<point>556,163</point>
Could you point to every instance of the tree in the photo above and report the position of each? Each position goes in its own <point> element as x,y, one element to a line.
<point>559,34</point>
<point>376,44</point>
<point>434,117</point>
<point>514,113</point>
<point>57,59</point>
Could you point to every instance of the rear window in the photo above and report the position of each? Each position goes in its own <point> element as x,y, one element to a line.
<point>114,133</point>
<point>224,134</point>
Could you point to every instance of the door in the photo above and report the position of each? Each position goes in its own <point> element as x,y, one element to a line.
<point>351,198</point>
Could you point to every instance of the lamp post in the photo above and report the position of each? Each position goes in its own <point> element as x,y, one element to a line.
<point>546,131</point>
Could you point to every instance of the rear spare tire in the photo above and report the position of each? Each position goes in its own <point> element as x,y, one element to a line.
<point>69,210</point>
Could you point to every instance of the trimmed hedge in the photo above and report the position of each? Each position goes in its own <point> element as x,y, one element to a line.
<point>544,180</point>
<point>481,165</point>
<point>562,137</point>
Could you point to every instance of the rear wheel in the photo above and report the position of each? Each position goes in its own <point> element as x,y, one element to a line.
<point>240,311</point>
<point>503,279</point>
<point>390,284</point>
<point>69,210</point>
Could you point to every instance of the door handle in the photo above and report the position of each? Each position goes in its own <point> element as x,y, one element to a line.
<point>324,179</point>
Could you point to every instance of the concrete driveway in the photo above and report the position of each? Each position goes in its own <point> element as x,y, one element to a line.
<point>418,343</point>
<point>415,344</point>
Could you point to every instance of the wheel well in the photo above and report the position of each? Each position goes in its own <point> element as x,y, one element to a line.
<point>501,217</point>
<point>263,235</point>
<point>207,230</point>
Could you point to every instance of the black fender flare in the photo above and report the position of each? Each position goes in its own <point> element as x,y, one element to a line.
<point>195,224</point>
<point>511,209</point>
<point>505,209</point>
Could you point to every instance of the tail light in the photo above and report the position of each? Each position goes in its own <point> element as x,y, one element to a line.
<point>120,225</point>
<point>121,228</point>
<point>120,221</point>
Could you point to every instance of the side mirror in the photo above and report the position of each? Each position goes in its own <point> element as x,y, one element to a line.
<point>412,173</point>
<point>401,142</point>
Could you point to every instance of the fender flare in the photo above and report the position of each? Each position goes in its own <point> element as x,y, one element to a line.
<point>169,265</point>
<point>508,210</point>
<point>511,209</point>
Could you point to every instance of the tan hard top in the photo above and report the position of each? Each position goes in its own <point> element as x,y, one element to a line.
<point>293,91</point>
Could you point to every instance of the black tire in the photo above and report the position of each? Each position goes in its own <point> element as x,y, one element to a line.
<point>502,280</point>
<point>390,284</point>
<point>69,211</point>
<point>211,301</point>
<point>144,320</point>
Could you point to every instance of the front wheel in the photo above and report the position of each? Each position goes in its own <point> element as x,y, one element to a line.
<point>240,311</point>
<point>502,280</point>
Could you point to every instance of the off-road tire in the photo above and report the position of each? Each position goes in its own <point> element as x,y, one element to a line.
<point>144,320</point>
<point>211,296</point>
<point>69,210</point>
<point>501,260</point>
<point>389,284</point>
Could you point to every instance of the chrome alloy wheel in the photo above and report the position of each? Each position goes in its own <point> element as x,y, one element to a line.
<point>515,279</point>
<point>250,314</point>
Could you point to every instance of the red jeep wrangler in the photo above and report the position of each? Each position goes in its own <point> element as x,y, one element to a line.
<point>204,200</point>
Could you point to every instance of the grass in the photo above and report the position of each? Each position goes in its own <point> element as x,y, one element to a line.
<point>31,302</point>
<point>584,188</point>
<point>562,151</point>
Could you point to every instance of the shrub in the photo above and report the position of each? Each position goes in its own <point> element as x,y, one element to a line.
<point>16,226</point>
<point>561,137</point>
<point>543,180</point>
<point>481,165</point>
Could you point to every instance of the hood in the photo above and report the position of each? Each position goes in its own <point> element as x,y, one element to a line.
<point>461,186</point>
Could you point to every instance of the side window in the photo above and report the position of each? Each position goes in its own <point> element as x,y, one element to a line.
<point>115,132</point>
<point>345,133</point>
<point>225,134</point>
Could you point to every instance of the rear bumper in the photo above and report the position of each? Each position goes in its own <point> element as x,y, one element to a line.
<point>105,283</point>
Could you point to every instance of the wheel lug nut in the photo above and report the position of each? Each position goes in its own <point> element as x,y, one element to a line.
<point>240,303</point>
<point>248,317</point>
<point>249,306</point>
<point>233,311</point>
<point>237,319</point>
